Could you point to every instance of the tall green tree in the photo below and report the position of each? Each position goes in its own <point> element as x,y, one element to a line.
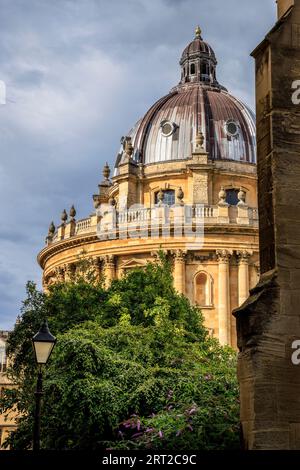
<point>133,368</point>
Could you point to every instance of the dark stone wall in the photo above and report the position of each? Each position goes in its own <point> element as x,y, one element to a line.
<point>269,321</point>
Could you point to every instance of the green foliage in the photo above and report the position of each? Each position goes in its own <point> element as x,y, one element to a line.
<point>133,368</point>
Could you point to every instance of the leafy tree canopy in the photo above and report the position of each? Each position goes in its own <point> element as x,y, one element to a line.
<point>133,368</point>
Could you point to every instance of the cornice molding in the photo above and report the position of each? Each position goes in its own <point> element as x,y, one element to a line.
<point>84,239</point>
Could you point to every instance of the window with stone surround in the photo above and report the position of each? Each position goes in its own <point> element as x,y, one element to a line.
<point>232,197</point>
<point>169,197</point>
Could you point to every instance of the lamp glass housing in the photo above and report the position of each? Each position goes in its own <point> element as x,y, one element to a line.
<point>43,344</point>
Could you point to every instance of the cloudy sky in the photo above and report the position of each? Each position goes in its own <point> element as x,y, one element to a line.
<point>79,74</point>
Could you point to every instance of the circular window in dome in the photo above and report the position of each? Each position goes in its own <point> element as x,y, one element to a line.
<point>167,128</point>
<point>232,128</point>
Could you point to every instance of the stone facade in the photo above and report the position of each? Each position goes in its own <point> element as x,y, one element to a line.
<point>227,254</point>
<point>269,321</point>
<point>184,182</point>
<point>6,425</point>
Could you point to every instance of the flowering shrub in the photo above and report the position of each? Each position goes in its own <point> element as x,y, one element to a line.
<point>133,368</point>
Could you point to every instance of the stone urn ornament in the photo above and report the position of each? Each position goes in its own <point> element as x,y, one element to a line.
<point>222,197</point>
<point>96,199</point>
<point>180,196</point>
<point>64,216</point>
<point>106,172</point>
<point>199,141</point>
<point>51,230</point>
<point>112,202</point>
<point>160,197</point>
<point>72,213</point>
<point>128,147</point>
<point>241,197</point>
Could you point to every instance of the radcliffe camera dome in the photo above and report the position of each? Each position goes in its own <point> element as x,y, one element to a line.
<point>198,104</point>
<point>185,182</point>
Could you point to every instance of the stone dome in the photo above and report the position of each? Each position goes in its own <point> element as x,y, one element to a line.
<point>199,104</point>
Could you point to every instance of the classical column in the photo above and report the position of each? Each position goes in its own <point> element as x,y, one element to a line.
<point>96,268</point>
<point>60,274</point>
<point>179,271</point>
<point>243,278</point>
<point>45,283</point>
<point>69,272</point>
<point>109,269</point>
<point>224,301</point>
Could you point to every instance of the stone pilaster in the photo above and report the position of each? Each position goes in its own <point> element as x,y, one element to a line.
<point>179,271</point>
<point>243,276</point>
<point>223,208</point>
<point>61,232</point>
<point>70,229</point>
<point>224,300</point>
<point>69,272</point>
<point>60,274</point>
<point>96,262</point>
<point>109,269</point>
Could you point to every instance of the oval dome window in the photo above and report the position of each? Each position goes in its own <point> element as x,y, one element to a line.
<point>232,128</point>
<point>167,128</point>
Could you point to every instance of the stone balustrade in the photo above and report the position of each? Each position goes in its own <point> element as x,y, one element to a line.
<point>133,219</point>
<point>83,225</point>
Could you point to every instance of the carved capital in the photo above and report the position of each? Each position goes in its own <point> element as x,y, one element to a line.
<point>70,270</point>
<point>223,256</point>
<point>243,256</point>
<point>45,282</point>
<point>179,256</point>
<point>155,254</point>
<point>60,273</point>
<point>96,262</point>
<point>109,260</point>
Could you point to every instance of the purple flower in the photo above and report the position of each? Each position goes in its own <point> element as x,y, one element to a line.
<point>179,433</point>
<point>138,425</point>
<point>190,427</point>
<point>149,430</point>
<point>160,433</point>
<point>137,434</point>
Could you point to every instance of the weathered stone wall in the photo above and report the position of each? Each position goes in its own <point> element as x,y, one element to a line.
<point>269,321</point>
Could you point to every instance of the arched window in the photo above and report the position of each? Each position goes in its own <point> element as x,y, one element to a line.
<point>193,69</point>
<point>204,71</point>
<point>203,290</point>
<point>2,357</point>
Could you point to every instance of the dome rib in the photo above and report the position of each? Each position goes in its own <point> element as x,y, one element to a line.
<point>199,102</point>
<point>191,108</point>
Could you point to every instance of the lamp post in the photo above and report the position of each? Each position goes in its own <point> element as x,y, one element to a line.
<point>43,344</point>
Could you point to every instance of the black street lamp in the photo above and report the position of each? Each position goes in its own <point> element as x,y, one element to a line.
<point>43,344</point>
